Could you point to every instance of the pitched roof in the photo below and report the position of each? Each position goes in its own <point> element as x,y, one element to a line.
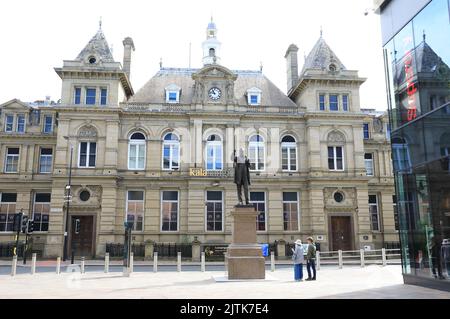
<point>99,46</point>
<point>153,92</point>
<point>427,59</point>
<point>321,56</point>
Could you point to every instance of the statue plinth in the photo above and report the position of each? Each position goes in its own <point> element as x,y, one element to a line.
<point>245,259</point>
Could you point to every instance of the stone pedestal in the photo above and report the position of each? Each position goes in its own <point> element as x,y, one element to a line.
<point>196,250</point>
<point>244,255</point>
<point>149,247</point>
<point>281,247</point>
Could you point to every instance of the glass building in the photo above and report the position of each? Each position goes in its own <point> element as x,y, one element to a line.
<point>416,42</point>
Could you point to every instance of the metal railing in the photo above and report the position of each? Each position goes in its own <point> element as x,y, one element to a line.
<point>359,257</point>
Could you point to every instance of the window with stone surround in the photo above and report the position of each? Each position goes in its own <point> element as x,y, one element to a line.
<point>12,160</point>
<point>136,151</point>
<point>41,211</point>
<point>374,212</point>
<point>214,151</point>
<point>368,161</point>
<point>288,153</point>
<point>87,154</point>
<point>7,211</point>
<point>169,211</point>
<point>171,152</point>
<point>45,160</point>
<point>290,211</point>
<point>214,211</point>
<point>135,209</point>
<point>258,199</point>
<point>256,153</point>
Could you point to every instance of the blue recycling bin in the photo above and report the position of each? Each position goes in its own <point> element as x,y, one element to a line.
<point>265,249</point>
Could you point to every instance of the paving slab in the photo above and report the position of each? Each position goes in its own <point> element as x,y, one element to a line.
<point>350,282</point>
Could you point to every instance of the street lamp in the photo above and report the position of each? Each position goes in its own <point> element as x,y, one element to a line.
<point>68,188</point>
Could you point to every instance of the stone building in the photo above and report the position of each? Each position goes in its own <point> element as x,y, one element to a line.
<point>162,157</point>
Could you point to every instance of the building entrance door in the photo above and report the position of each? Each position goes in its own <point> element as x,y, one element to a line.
<point>341,233</point>
<point>82,236</point>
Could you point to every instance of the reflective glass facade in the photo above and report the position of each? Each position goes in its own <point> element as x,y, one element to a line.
<point>417,61</point>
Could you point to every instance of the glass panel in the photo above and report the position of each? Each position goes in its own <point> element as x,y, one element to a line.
<point>92,152</point>
<point>331,157</point>
<point>77,95</point>
<point>166,157</point>
<point>9,123</point>
<point>322,102</point>
<point>21,123</point>
<point>289,196</point>
<point>345,102</point>
<point>333,98</point>
<point>103,96</point>
<point>90,96</point>
<point>284,158</point>
<point>48,125</point>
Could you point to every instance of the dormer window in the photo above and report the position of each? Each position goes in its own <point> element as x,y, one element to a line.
<point>254,96</point>
<point>173,94</point>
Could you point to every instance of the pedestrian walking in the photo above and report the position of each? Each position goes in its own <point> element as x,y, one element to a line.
<point>298,258</point>
<point>311,259</point>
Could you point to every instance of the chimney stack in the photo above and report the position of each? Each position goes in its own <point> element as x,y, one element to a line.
<point>292,66</point>
<point>128,47</point>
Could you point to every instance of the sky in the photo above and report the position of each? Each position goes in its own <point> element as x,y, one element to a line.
<point>36,36</point>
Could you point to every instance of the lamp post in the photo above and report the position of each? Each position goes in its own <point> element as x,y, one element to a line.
<point>68,188</point>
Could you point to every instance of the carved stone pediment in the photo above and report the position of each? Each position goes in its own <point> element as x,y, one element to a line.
<point>87,131</point>
<point>93,202</point>
<point>348,202</point>
<point>336,137</point>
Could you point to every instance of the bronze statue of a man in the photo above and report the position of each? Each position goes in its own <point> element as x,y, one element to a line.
<point>241,175</point>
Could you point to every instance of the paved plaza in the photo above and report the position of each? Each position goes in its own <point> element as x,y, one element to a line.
<point>349,282</point>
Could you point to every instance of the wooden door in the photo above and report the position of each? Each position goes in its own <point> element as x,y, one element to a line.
<point>82,241</point>
<point>341,233</point>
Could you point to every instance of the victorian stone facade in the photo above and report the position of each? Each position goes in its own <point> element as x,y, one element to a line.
<point>162,157</point>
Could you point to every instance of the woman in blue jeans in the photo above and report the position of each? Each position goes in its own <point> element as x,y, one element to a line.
<point>298,258</point>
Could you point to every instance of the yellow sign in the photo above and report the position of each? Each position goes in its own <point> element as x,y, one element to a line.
<point>197,172</point>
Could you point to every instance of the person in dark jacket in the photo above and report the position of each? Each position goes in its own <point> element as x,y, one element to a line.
<point>311,259</point>
<point>242,175</point>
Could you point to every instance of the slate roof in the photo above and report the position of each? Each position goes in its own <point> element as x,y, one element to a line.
<point>153,92</point>
<point>427,59</point>
<point>321,56</point>
<point>99,46</point>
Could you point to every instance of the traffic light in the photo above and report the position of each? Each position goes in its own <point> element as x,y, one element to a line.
<point>30,227</point>
<point>17,223</point>
<point>77,226</point>
<point>24,224</point>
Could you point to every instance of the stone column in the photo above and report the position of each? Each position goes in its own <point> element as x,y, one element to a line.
<point>245,260</point>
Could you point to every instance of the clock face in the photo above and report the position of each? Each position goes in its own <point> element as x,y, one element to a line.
<point>214,93</point>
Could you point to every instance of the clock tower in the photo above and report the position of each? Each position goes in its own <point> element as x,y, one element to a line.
<point>211,46</point>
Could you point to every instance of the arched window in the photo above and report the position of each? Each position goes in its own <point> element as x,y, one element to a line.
<point>288,153</point>
<point>212,52</point>
<point>256,153</point>
<point>214,153</point>
<point>401,159</point>
<point>136,151</point>
<point>171,152</point>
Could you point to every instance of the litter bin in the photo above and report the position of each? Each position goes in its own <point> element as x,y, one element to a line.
<point>265,249</point>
